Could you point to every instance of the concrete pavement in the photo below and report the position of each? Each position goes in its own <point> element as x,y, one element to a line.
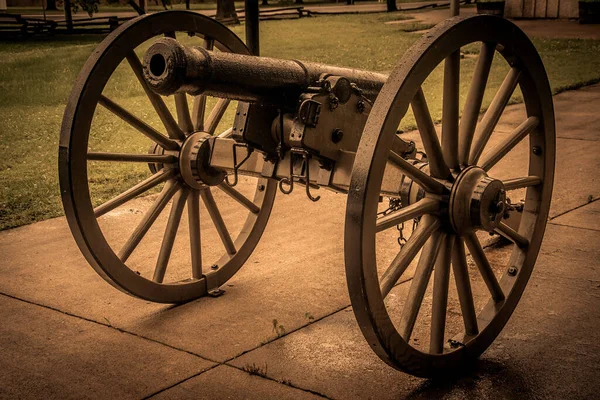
<point>284,328</point>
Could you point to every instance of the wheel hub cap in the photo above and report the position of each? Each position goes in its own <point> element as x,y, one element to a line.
<point>194,162</point>
<point>477,201</point>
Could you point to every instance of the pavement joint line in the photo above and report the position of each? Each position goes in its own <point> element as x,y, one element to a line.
<point>574,227</point>
<point>121,330</point>
<point>581,139</point>
<point>216,363</point>
<point>285,334</point>
<point>180,382</point>
<point>573,209</point>
<point>285,383</point>
<point>226,362</point>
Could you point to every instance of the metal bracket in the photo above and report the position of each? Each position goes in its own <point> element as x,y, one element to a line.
<point>237,166</point>
<point>309,112</point>
<point>289,181</point>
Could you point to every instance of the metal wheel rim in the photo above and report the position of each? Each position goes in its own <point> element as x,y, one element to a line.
<point>389,109</point>
<point>73,161</point>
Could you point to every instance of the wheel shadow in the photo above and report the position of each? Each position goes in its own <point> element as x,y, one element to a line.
<point>484,379</point>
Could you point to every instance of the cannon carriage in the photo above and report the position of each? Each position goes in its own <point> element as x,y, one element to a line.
<point>309,125</point>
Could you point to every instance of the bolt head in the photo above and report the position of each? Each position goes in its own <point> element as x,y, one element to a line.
<point>214,267</point>
<point>537,150</point>
<point>512,271</point>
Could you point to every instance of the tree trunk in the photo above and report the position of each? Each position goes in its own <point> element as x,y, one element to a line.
<point>68,15</point>
<point>265,3</point>
<point>187,4</point>
<point>391,5</point>
<point>349,2</point>
<point>299,1</point>
<point>137,8</point>
<point>226,11</point>
<point>51,5</point>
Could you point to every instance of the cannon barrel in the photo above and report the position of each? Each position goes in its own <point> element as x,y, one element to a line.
<point>170,67</point>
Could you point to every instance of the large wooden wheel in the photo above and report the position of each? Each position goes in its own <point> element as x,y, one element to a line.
<point>91,166</point>
<point>462,198</point>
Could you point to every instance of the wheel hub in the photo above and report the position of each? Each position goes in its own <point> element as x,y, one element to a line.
<point>477,201</point>
<point>194,162</point>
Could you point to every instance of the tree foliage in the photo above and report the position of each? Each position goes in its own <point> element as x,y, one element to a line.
<point>89,6</point>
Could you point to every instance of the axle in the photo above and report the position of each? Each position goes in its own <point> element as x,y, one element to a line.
<point>170,67</point>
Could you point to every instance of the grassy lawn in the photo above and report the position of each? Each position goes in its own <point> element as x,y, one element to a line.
<point>36,78</point>
<point>209,5</point>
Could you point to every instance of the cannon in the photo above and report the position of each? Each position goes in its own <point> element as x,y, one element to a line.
<point>310,125</point>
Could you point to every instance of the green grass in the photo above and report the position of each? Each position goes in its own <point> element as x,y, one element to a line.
<point>36,78</point>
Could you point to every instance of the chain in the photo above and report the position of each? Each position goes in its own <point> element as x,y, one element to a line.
<point>394,205</point>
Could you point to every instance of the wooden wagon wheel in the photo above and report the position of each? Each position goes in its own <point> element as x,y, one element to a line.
<point>460,198</point>
<point>168,167</point>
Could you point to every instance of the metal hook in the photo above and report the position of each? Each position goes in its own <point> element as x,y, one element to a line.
<point>289,180</point>
<point>306,176</point>
<point>308,194</point>
<point>237,166</point>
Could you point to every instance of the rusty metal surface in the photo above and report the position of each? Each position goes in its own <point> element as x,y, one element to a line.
<point>170,67</point>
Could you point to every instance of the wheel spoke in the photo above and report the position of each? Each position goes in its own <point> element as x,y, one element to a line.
<point>183,113</point>
<point>512,235</point>
<point>485,269</point>
<point>240,198</point>
<point>198,112</point>
<point>423,206</point>
<point>463,287</point>
<point>124,157</point>
<point>215,215</point>
<point>215,115</point>
<point>519,183</point>
<point>441,280</point>
<point>420,177</point>
<point>200,100</point>
<point>431,144</point>
<point>418,285</point>
<point>146,223</point>
<point>424,230</point>
<point>157,102</point>
<point>135,191</point>
<point>493,156</point>
<point>492,115</point>
<point>169,237</point>
<point>138,124</point>
<point>450,109</point>
<point>468,121</point>
<point>193,205</point>
<point>226,133</point>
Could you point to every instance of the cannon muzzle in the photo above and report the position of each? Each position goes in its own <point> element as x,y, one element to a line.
<point>170,67</point>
